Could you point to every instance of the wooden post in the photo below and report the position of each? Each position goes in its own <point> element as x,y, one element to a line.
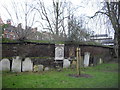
<point>77,66</point>
<point>78,61</point>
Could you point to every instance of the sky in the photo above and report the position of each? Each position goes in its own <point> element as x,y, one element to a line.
<point>86,8</point>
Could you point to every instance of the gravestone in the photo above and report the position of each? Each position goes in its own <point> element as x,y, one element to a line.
<point>27,65</point>
<point>5,65</point>
<point>95,61</point>
<point>86,59</point>
<point>100,61</point>
<point>66,63</point>
<point>46,69</point>
<point>38,68</point>
<point>59,51</point>
<point>16,64</point>
<point>73,65</point>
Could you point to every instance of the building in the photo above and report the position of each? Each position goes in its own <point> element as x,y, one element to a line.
<point>12,32</point>
<point>103,39</point>
<point>8,30</point>
<point>1,24</point>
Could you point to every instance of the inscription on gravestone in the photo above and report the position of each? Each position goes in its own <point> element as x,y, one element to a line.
<point>59,51</point>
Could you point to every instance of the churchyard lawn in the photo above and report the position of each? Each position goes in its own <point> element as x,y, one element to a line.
<point>103,76</point>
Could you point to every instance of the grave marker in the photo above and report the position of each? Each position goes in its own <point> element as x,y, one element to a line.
<point>86,59</point>
<point>5,65</point>
<point>27,65</point>
<point>66,63</point>
<point>59,51</point>
<point>16,64</point>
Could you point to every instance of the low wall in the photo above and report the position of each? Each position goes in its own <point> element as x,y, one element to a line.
<point>28,50</point>
<point>47,51</point>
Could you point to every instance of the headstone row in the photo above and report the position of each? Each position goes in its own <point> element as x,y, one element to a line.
<point>27,65</point>
<point>18,65</point>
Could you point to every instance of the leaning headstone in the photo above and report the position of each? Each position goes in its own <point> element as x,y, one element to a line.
<point>5,65</point>
<point>59,51</point>
<point>46,69</point>
<point>16,64</point>
<point>66,63</point>
<point>86,59</point>
<point>27,65</point>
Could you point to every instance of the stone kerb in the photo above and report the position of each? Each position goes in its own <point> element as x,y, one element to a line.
<point>5,65</point>
<point>16,64</point>
<point>27,65</point>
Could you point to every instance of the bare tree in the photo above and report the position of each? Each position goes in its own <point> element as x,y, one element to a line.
<point>76,30</point>
<point>111,10</point>
<point>54,16</point>
<point>23,17</point>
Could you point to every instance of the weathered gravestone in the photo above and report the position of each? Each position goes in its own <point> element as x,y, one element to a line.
<point>16,64</point>
<point>66,63</point>
<point>27,65</point>
<point>5,65</point>
<point>95,61</point>
<point>86,59</point>
<point>81,62</point>
<point>46,68</point>
<point>38,68</point>
<point>100,61</point>
<point>73,65</point>
<point>59,51</point>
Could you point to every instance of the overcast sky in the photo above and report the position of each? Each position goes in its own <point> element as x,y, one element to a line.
<point>86,8</point>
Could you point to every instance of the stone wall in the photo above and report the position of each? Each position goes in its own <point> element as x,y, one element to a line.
<point>106,53</point>
<point>27,50</point>
<point>47,51</point>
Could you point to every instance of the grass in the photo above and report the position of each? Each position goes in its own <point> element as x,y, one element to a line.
<point>103,76</point>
